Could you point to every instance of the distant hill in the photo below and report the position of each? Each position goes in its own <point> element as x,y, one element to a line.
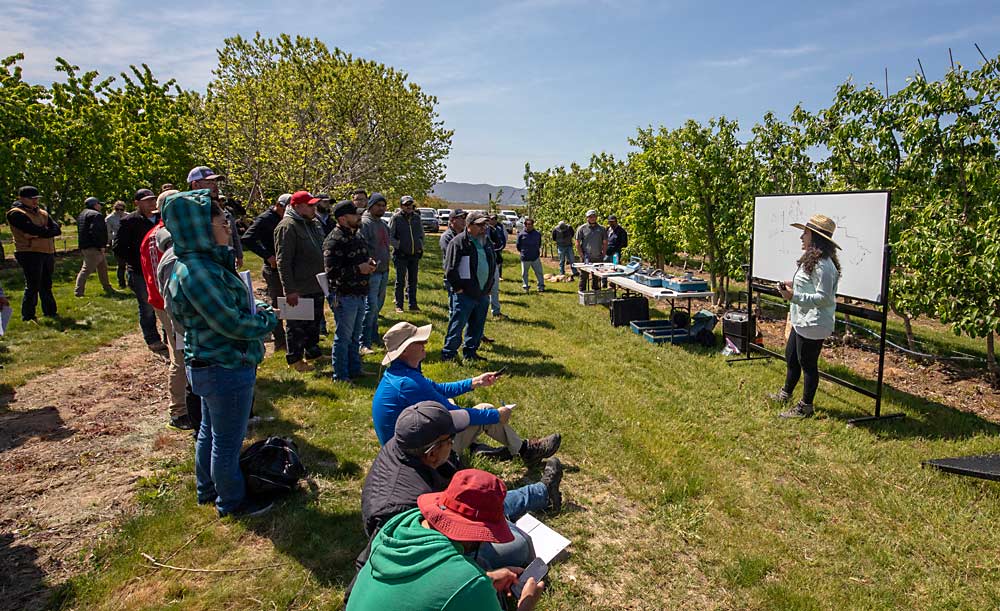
<point>465,193</point>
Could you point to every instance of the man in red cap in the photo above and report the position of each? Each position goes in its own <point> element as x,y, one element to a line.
<point>420,556</point>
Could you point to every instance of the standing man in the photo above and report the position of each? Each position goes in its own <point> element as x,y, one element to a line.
<point>298,247</point>
<point>259,238</point>
<point>376,237</point>
<point>406,234</point>
<point>617,238</point>
<point>592,244</point>
<point>133,229</point>
<point>529,245</point>
<point>456,225</point>
<point>326,220</point>
<point>360,198</point>
<point>92,233</point>
<point>34,248</point>
<point>498,239</point>
<point>114,221</point>
<point>345,255</point>
<point>562,235</point>
<point>471,272</point>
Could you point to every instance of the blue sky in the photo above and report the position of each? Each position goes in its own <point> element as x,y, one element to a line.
<point>545,81</point>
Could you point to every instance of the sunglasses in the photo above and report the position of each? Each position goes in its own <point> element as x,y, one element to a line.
<point>451,439</point>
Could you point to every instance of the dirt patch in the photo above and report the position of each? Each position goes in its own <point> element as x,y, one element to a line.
<point>73,446</point>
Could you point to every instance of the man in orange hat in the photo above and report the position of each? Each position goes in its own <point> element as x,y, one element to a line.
<point>421,555</point>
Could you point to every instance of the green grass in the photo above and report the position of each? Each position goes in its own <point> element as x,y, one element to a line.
<point>683,489</point>
<point>83,323</point>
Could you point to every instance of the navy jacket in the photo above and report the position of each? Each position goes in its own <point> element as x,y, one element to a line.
<point>529,244</point>
<point>462,252</point>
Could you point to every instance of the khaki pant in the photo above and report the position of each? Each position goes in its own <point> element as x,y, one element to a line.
<point>502,433</point>
<point>93,261</point>
<point>176,377</point>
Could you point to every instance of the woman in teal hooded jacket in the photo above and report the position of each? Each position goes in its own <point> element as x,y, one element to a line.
<point>223,344</point>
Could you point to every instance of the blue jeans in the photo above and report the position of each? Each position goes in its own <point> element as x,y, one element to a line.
<point>377,283</point>
<point>519,501</point>
<point>535,266</point>
<point>147,317</point>
<point>226,398</point>
<point>349,314</point>
<point>566,257</point>
<point>518,552</point>
<point>467,311</point>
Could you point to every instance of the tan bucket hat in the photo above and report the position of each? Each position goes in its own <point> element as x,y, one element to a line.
<point>401,335</point>
<point>822,225</point>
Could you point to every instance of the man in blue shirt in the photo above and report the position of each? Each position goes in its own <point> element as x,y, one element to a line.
<point>403,385</point>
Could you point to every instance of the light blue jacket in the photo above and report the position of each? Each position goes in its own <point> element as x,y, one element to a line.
<point>814,300</point>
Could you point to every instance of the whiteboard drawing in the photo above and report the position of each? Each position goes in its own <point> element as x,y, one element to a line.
<point>861,234</point>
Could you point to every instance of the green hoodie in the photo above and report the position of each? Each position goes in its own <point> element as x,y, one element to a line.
<point>419,569</point>
<point>207,297</point>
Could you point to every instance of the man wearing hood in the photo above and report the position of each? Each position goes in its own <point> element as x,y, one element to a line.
<point>223,344</point>
<point>92,232</point>
<point>376,235</point>
<point>298,246</point>
<point>259,238</point>
<point>34,248</point>
<point>562,235</point>
<point>422,555</point>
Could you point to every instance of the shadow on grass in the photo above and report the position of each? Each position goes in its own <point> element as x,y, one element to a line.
<point>22,581</point>
<point>16,427</point>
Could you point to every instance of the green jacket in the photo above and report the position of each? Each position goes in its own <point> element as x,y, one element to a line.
<point>298,248</point>
<point>207,297</point>
<point>412,567</point>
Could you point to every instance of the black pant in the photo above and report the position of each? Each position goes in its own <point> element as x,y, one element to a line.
<point>498,257</point>
<point>595,282</point>
<point>274,290</point>
<point>406,275</point>
<point>37,268</point>
<point>303,335</point>
<point>121,275</point>
<point>802,358</point>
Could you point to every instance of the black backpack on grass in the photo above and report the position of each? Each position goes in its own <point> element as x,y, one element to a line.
<point>271,467</point>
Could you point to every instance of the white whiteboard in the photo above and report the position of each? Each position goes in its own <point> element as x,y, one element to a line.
<point>861,234</point>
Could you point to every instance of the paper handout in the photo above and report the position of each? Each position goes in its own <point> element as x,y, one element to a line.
<point>547,542</point>
<point>464,268</point>
<point>301,311</point>
<point>323,283</point>
<point>245,276</point>
<point>5,314</point>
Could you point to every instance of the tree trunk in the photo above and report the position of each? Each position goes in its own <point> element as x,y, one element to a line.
<point>911,341</point>
<point>991,360</point>
<point>659,261</point>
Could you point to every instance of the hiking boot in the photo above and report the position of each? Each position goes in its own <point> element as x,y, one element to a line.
<point>312,353</point>
<point>365,351</point>
<point>301,366</point>
<point>472,358</point>
<point>552,477</point>
<point>158,347</point>
<point>541,289</point>
<point>362,373</point>
<point>779,397</point>
<point>535,450</point>
<point>414,308</point>
<point>486,451</point>
<point>181,423</point>
<point>250,508</point>
<point>487,340</point>
<point>801,410</point>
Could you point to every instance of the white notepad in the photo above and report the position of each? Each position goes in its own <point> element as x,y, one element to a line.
<point>245,276</point>
<point>547,542</point>
<point>323,283</point>
<point>302,311</point>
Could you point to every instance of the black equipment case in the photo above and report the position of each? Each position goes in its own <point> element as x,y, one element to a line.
<point>627,309</point>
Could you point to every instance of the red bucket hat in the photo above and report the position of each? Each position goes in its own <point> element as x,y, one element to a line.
<point>470,508</point>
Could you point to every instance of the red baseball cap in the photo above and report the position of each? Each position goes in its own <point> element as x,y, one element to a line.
<point>301,197</point>
<point>470,508</point>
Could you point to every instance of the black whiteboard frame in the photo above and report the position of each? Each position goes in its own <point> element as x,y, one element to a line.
<point>878,313</point>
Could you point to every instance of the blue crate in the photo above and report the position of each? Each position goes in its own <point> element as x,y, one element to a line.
<point>641,326</point>
<point>681,285</point>
<point>667,336</point>
<point>644,279</point>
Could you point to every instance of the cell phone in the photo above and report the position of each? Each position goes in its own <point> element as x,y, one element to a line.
<point>537,569</point>
<point>501,371</point>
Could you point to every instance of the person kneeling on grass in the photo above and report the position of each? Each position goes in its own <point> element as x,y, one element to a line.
<point>422,555</point>
<point>403,385</point>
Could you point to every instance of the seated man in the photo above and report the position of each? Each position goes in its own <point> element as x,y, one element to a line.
<point>404,385</point>
<point>419,459</point>
<point>421,555</point>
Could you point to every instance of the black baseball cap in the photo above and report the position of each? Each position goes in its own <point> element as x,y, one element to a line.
<point>344,206</point>
<point>27,191</point>
<point>143,194</point>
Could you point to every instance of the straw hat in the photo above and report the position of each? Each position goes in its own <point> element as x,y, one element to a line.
<point>401,335</point>
<point>821,225</point>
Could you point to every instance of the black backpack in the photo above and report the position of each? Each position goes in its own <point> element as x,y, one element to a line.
<point>271,466</point>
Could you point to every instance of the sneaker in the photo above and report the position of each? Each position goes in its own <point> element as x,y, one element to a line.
<point>399,310</point>
<point>301,366</point>
<point>345,381</point>
<point>499,316</point>
<point>362,373</point>
<point>472,358</point>
<point>552,477</point>
<point>313,353</point>
<point>535,450</point>
<point>447,357</point>
<point>250,508</point>
<point>181,423</point>
<point>524,288</point>
<point>414,308</point>
<point>487,451</point>
<point>158,347</point>
<point>541,289</point>
<point>801,410</point>
<point>488,340</point>
<point>779,397</point>
<point>365,351</point>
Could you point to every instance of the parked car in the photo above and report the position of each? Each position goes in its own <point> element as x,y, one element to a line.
<point>509,219</point>
<point>443,215</point>
<point>428,219</point>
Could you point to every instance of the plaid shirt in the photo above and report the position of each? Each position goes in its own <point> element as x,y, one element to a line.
<point>207,297</point>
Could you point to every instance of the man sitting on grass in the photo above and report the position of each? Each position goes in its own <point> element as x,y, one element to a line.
<point>422,555</point>
<point>403,385</point>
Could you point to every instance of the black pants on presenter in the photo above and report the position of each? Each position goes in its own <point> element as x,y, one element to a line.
<point>802,360</point>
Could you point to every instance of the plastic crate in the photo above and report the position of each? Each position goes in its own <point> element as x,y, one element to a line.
<point>647,280</point>
<point>641,326</point>
<point>685,286</point>
<point>667,336</point>
<point>596,297</point>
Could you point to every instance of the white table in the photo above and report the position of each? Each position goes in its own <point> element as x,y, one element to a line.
<point>657,292</point>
